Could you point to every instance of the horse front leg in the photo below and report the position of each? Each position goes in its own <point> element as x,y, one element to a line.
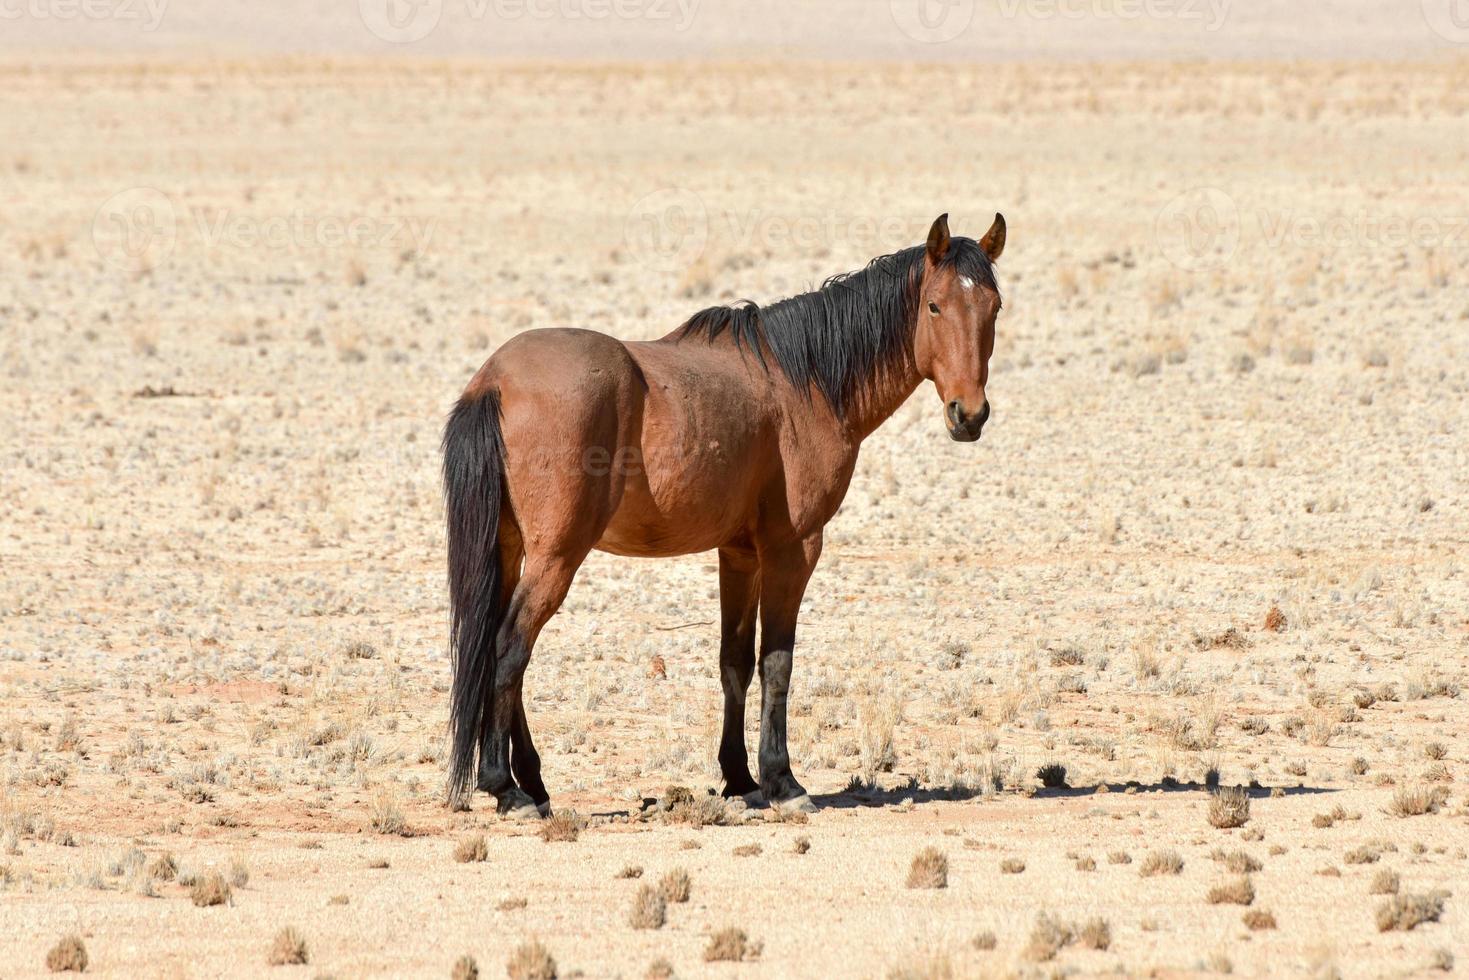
<point>739,596</point>
<point>784,572</point>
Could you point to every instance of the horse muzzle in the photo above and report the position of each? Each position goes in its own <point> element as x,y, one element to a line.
<point>962,426</point>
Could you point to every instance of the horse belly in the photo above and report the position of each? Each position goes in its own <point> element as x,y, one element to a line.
<point>685,494</point>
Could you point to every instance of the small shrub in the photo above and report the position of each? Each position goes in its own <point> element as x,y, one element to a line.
<point>930,869</point>
<point>649,909</point>
<point>1230,807</point>
<point>1051,775</point>
<point>289,948</point>
<point>465,968</point>
<point>1087,863</point>
<point>1236,891</point>
<point>1012,866</point>
<point>239,873</point>
<point>472,849</point>
<point>1258,920</point>
<point>1161,863</point>
<point>531,961</point>
<point>675,886</point>
<point>802,844</point>
<point>1405,912</point>
<point>730,945</point>
<point>69,955</point>
<point>564,825</point>
<point>210,889</point>
<point>748,850</point>
<point>985,941</point>
<point>1435,750</point>
<point>630,871</point>
<point>1119,857</point>
<point>659,969</point>
<point>1362,855</point>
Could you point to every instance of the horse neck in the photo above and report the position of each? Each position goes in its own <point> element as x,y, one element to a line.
<point>875,400</point>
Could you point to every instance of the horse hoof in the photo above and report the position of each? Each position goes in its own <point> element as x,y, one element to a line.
<point>516,805</point>
<point>800,804</point>
<point>544,809</point>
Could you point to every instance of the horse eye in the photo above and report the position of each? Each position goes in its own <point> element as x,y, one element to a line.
<point>933,308</point>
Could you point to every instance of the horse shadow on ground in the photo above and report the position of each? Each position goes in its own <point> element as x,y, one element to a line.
<point>869,797</point>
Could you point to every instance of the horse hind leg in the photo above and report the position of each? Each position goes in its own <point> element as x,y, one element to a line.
<point>542,588</point>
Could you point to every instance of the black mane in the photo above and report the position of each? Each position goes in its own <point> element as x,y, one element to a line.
<point>841,334</point>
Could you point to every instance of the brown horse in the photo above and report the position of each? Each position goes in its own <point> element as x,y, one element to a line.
<point>738,432</point>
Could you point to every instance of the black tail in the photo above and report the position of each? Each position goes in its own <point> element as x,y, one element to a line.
<point>474,479</point>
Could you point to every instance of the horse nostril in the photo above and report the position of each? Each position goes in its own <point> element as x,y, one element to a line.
<point>955,413</point>
<point>984,412</point>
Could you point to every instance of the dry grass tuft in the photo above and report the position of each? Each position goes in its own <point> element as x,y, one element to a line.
<point>1417,800</point>
<point>69,955</point>
<point>1119,857</point>
<point>1236,891</point>
<point>748,850</point>
<point>1047,938</point>
<point>1237,862</point>
<point>985,941</point>
<point>210,889</point>
<point>675,886</point>
<point>631,871</point>
<point>1095,934</point>
<point>1161,863</point>
<point>930,869</point>
<point>1230,807</point>
<point>801,845</point>
<point>1258,920</point>
<point>1385,882</point>
<point>165,867</point>
<point>564,825</point>
<point>924,967</point>
<point>730,945</point>
<point>387,817</point>
<point>472,848</point>
<point>1275,620</point>
<point>649,909</point>
<point>465,968</point>
<point>531,961</point>
<point>1405,912</point>
<point>289,947</point>
<point>1012,866</point>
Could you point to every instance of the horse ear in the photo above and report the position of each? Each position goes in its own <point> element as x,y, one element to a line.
<point>938,239</point>
<point>993,241</point>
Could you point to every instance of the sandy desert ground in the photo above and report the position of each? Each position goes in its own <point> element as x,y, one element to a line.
<point>1216,529</point>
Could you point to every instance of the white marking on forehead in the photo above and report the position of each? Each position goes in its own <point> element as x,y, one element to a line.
<point>966,282</point>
